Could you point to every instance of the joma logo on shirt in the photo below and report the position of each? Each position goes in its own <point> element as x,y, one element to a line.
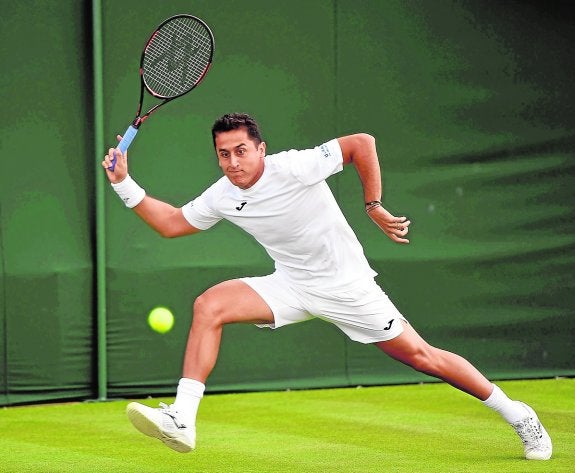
<point>241,206</point>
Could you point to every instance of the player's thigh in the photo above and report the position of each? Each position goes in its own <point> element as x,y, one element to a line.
<point>232,301</point>
<point>406,347</point>
<point>362,311</point>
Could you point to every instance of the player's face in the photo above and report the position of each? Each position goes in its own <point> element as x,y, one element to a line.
<point>241,160</point>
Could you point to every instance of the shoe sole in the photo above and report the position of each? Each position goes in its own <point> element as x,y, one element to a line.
<point>141,422</point>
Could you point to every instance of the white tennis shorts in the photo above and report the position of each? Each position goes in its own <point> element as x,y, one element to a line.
<point>363,312</point>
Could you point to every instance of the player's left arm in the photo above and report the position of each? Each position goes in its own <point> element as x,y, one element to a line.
<point>360,150</point>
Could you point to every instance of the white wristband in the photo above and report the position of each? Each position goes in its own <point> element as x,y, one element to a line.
<point>129,191</point>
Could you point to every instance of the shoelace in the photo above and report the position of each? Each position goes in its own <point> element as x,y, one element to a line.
<point>530,432</point>
<point>168,410</point>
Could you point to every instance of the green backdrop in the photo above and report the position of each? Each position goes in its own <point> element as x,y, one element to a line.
<point>471,103</point>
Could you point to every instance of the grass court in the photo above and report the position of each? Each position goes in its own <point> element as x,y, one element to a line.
<point>414,428</point>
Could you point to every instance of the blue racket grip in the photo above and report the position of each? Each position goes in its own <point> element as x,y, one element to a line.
<point>124,144</point>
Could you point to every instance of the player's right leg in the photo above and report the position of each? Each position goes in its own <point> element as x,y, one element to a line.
<point>228,302</point>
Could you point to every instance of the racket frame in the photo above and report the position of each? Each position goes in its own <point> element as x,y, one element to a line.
<point>139,119</point>
<point>132,130</point>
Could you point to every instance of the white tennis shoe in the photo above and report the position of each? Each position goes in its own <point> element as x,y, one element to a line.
<point>536,440</point>
<point>163,423</point>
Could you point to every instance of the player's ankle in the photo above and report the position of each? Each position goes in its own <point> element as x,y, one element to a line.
<point>512,411</point>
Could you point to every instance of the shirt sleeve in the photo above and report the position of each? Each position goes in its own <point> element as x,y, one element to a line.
<point>199,213</point>
<point>315,165</point>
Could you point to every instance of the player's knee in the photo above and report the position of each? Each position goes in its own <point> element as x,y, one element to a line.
<point>208,310</point>
<point>423,360</point>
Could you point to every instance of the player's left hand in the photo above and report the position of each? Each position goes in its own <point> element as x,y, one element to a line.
<point>396,228</point>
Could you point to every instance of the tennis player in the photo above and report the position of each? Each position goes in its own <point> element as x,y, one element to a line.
<point>283,201</point>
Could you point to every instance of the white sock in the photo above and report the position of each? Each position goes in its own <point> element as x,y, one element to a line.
<point>188,397</point>
<point>511,411</point>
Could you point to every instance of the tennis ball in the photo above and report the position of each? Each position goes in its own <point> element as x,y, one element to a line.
<point>161,319</point>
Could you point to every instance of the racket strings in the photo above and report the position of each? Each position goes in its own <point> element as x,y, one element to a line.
<point>176,57</point>
<point>186,54</point>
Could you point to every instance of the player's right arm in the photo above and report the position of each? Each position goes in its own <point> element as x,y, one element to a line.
<point>166,219</point>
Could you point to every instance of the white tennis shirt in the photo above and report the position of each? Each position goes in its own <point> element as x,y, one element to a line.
<point>293,214</point>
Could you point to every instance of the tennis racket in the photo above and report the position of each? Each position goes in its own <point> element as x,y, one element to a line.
<point>174,61</point>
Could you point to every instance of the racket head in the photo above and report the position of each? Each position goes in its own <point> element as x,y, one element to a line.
<point>177,56</point>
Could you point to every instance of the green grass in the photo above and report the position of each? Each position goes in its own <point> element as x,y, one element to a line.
<point>417,428</point>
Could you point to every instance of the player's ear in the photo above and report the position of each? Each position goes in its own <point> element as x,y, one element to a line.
<point>262,149</point>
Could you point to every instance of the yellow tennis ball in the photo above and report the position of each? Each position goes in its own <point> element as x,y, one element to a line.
<point>161,319</point>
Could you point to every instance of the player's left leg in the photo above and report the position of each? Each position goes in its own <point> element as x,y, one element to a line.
<point>410,349</point>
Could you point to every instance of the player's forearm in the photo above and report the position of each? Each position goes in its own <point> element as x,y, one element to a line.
<point>166,219</point>
<point>360,150</point>
<point>369,174</point>
<point>158,215</point>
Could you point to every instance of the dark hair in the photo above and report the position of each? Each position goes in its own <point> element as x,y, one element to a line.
<point>233,121</point>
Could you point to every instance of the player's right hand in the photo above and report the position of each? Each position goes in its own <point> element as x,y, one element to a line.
<point>121,169</point>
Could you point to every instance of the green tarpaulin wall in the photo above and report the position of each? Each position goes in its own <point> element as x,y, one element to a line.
<point>471,103</point>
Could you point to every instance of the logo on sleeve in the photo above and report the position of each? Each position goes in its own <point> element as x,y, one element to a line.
<point>325,151</point>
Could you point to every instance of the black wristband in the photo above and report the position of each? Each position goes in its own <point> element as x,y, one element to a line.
<point>369,206</point>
